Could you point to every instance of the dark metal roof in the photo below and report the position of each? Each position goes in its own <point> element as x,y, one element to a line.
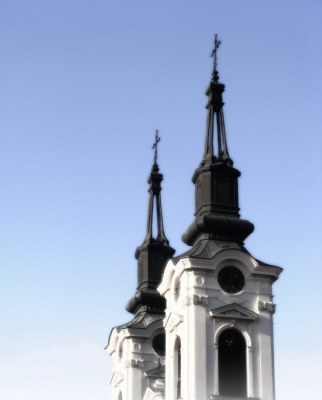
<point>141,321</point>
<point>205,248</point>
<point>216,181</point>
<point>155,250</point>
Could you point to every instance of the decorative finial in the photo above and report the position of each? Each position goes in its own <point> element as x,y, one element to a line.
<point>155,146</point>
<point>217,43</point>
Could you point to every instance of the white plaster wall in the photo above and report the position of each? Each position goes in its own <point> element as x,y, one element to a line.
<point>136,358</point>
<point>187,316</point>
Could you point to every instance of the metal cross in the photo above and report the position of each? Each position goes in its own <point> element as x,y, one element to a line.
<point>155,146</point>
<point>217,43</point>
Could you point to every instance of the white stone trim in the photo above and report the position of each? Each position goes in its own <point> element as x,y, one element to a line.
<point>249,356</point>
<point>235,325</point>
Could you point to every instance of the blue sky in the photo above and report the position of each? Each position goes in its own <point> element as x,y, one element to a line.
<point>83,86</point>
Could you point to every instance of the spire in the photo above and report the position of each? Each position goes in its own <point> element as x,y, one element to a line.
<point>155,250</point>
<point>154,181</point>
<point>216,181</point>
<point>215,119</point>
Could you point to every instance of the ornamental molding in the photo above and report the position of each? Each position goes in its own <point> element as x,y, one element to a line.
<point>267,306</point>
<point>199,280</point>
<point>233,312</point>
<point>135,363</point>
<point>263,271</point>
<point>244,330</point>
<point>137,347</point>
<point>173,321</point>
<point>197,300</point>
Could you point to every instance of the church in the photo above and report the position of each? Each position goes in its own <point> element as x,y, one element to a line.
<point>202,325</point>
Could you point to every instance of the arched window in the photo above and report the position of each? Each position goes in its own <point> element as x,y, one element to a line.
<point>232,363</point>
<point>177,352</point>
<point>158,344</point>
<point>119,396</point>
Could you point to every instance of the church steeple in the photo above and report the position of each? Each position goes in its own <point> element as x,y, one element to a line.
<point>216,116</point>
<point>203,321</point>
<point>216,181</point>
<point>155,249</point>
<point>154,181</point>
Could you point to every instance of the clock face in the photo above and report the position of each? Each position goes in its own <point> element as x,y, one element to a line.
<point>231,279</point>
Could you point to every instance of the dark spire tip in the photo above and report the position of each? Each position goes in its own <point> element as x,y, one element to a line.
<point>155,146</point>
<point>217,43</point>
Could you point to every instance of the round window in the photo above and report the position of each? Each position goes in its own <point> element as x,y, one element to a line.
<point>231,279</point>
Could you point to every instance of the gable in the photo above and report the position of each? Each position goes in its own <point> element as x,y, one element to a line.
<point>234,311</point>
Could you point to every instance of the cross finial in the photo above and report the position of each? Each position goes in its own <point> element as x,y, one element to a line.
<point>217,43</point>
<point>155,146</point>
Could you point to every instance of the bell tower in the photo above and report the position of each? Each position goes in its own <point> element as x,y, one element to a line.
<point>219,302</point>
<point>138,347</point>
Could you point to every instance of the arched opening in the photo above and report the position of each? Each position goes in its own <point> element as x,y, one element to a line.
<point>119,396</point>
<point>232,363</point>
<point>177,353</point>
<point>158,344</point>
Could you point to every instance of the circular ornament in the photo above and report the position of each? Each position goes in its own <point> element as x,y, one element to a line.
<point>136,346</point>
<point>199,280</point>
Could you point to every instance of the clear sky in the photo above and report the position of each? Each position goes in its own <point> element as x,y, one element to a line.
<point>83,86</point>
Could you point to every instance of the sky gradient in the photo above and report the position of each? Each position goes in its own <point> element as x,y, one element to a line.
<point>83,86</point>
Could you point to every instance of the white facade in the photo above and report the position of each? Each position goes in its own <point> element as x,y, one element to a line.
<point>198,311</point>
<point>137,368</point>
